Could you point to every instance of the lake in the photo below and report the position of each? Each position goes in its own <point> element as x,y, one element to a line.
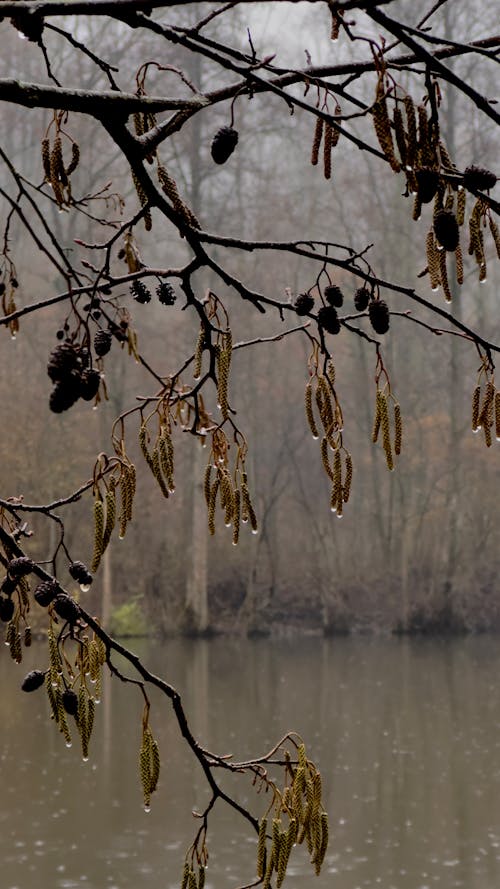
<point>406,734</point>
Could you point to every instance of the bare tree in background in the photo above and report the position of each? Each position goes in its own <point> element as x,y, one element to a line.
<point>107,262</point>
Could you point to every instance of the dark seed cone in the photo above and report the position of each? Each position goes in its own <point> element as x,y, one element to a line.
<point>223,144</point>
<point>427,184</point>
<point>20,567</point>
<point>478,179</point>
<point>8,586</point>
<point>328,319</point>
<point>378,312</point>
<point>33,680</point>
<point>65,393</point>
<point>70,701</point>
<point>89,384</point>
<point>304,303</point>
<point>165,293</point>
<point>140,292</point>
<point>80,573</point>
<point>102,342</point>
<point>334,296</point>
<point>361,299</point>
<point>63,359</point>
<point>46,592</point>
<point>66,607</point>
<point>446,230</point>
<point>6,609</point>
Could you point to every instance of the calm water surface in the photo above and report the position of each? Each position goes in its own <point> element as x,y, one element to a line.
<point>406,734</point>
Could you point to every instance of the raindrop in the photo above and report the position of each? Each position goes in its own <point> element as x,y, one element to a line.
<point>255,530</point>
<point>85,587</point>
<point>435,289</point>
<point>69,744</point>
<point>147,809</point>
<point>85,758</point>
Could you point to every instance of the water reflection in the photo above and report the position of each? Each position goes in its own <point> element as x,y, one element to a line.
<point>406,734</point>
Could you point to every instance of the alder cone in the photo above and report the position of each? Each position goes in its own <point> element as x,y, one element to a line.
<point>80,573</point>
<point>378,312</point>
<point>6,610</point>
<point>427,184</point>
<point>334,296</point>
<point>67,608</point>
<point>328,319</point>
<point>165,293</point>
<point>446,230</point>
<point>33,680</point>
<point>62,360</point>
<point>304,303</point>
<point>70,701</point>
<point>223,144</point>
<point>65,393</point>
<point>46,592</point>
<point>361,299</point>
<point>21,566</point>
<point>102,342</point>
<point>89,384</point>
<point>478,178</point>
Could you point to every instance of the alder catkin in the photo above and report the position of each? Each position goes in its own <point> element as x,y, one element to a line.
<point>327,151</point>
<point>309,410</point>
<point>318,134</point>
<point>382,125</point>
<point>261,848</point>
<point>346,489</point>
<point>398,429</point>
<point>475,407</point>
<point>377,419</point>
<point>433,264</point>
<point>98,534</point>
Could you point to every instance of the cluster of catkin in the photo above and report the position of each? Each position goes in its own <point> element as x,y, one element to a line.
<point>231,493</point>
<point>105,510</point>
<point>330,414</point>
<point>436,255</point>
<point>192,879</point>
<point>63,700</point>
<point>325,132</point>
<point>486,411</point>
<point>55,172</point>
<point>382,423</point>
<point>299,817</point>
<point>161,458</point>
<point>149,763</point>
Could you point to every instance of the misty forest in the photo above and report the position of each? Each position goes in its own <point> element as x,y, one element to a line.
<point>249,263</point>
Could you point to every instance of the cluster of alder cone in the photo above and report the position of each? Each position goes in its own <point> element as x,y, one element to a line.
<point>333,299</point>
